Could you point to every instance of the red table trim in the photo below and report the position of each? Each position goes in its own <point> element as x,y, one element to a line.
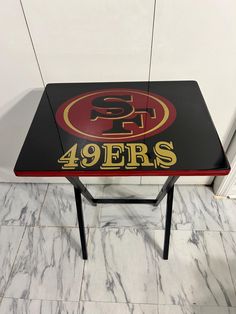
<point>110,173</point>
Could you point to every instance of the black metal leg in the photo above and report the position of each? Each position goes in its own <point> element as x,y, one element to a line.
<point>81,223</point>
<point>165,189</point>
<point>168,188</point>
<point>79,185</point>
<point>169,205</point>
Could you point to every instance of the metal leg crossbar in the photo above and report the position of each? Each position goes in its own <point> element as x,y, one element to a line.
<point>168,188</point>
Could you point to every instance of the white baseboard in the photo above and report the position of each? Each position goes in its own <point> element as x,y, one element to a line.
<point>181,180</point>
<point>108,180</point>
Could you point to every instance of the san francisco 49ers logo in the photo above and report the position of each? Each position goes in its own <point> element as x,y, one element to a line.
<point>116,115</point>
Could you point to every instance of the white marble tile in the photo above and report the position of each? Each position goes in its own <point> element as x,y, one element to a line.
<point>24,306</point>
<point>213,310</point>
<point>10,238</point>
<point>193,309</point>
<point>116,308</point>
<point>229,241</point>
<point>121,266</point>
<point>134,215</point>
<point>131,191</point>
<point>92,213</point>
<point>227,211</point>
<point>4,188</point>
<point>196,272</point>
<point>59,208</point>
<point>195,208</point>
<point>175,309</point>
<point>48,265</point>
<point>20,204</point>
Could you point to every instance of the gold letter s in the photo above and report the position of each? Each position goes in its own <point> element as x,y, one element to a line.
<point>165,157</point>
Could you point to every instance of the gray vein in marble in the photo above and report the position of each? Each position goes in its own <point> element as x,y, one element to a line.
<point>20,204</point>
<point>229,242</point>
<point>48,265</point>
<point>194,309</point>
<point>10,238</point>
<point>116,308</point>
<point>23,306</point>
<point>196,272</point>
<point>195,208</point>
<point>227,211</point>
<point>59,208</point>
<point>121,267</point>
<point>131,215</point>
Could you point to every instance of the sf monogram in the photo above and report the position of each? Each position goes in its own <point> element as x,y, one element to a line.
<point>117,118</point>
<point>119,110</point>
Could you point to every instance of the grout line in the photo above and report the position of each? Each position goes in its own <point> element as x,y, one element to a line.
<point>47,300</point>
<point>32,43</point>
<point>152,38</point>
<point>133,303</point>
<point>164,304</point>
<point>37,224</point>
<point>121,227</point>
<point>13,264</point>
<point>157,229</point>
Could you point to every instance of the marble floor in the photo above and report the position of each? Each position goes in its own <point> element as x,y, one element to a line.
<point>41,269</point>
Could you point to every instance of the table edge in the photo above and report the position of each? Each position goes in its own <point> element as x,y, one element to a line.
<point>118,173</point>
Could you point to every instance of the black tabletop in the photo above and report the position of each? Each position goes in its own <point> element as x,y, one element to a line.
<point>122,129</point>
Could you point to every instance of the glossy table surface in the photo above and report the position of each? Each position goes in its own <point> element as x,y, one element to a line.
<point>122,129</point>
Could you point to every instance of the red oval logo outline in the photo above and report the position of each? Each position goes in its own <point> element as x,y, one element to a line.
<point>146,114</point>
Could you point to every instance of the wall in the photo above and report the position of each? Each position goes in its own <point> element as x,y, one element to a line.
<point>226,186</point>
<point>197,39</point>
<point>21,85</point>
<point>112,41</point>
